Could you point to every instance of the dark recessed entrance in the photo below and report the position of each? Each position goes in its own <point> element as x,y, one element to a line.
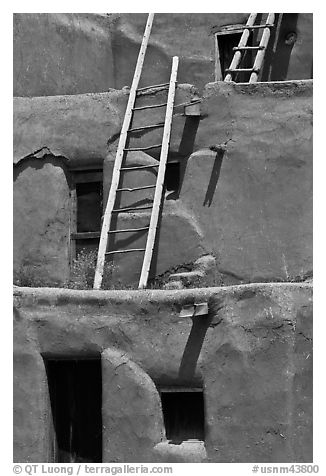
<point>75,388</point>
<point>183,412</point>
<point>172,176</point>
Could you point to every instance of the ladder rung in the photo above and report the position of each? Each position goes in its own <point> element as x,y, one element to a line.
<point>129,230</point>
<point>128,209</point>
<point>124,251</point>
<point>152,87</point>
<point>189,103</point>
<point>134,189</point>
<point>132,149</point>
<point>254,27</point>
<point>241,70</point>
<point>85,235</point>
<point>152,126</point>
<point>240,48</point>
<point>138,167</point>
<point>140,108</point>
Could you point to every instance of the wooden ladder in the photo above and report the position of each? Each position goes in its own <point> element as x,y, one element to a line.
<point>122,152</point>
<point>242,48</point>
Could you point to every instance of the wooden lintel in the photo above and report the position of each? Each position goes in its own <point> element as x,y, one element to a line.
<point>192,109</point>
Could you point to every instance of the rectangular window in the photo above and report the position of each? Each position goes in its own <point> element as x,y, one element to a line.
<point>86,210</point>
<point>183,412</point>
<point>75,388</point>
<point>226,38</point>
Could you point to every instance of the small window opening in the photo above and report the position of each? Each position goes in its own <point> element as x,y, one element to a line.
<point>75,388</point>
<point>172,176</point>
<point>226,38</point>
<point>89,204</point>
<point>226,44</point>
<point>86,210</point>
<point>183,412</point>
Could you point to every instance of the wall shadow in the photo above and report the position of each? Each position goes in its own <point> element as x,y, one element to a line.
<point>282,52</point>
<point>190,356</point>
<point>186,147</point>
<point>269,52</point>
<point>216,170</point>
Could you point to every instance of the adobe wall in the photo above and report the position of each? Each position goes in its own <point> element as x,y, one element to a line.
<point>62,53</point>
<point>75,53</point>
<point>41,221</point>
<point>246,186</point>
<point>252,194</point>
<point>252,353</point>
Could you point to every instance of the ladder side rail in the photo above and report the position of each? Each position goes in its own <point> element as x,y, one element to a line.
<point>160,177</point>
<point>119,156</point>
<point>261,53</point>
<point>243,42</point>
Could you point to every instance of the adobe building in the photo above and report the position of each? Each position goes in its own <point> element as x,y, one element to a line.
<point>213,362</point>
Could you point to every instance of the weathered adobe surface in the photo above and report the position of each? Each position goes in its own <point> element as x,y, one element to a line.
<point>62,53</point>
<point>252,353</point>
<point>246,184</point>
<point>253,195</point>
<point>246,174</point>
<point>81,127</point>
<point>75,53</point>
<point>76,127</point>
<point>41,202</point>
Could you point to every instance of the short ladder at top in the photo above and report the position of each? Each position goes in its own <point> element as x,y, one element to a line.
<point>242,48</point>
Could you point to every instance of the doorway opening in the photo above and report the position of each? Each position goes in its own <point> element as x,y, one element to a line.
<point>75,388</point>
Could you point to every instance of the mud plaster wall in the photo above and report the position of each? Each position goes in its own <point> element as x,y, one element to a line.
<point>248,201</point>
<point>252,354</point>
<point>246,185</point>
<point>254,199</point>
<point>72,53</point>
<point>41,210</point>
<point>61,53</point>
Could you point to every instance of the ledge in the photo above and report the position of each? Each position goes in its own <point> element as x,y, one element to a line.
<point>58,296</point>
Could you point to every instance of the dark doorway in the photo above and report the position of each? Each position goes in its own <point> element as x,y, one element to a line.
<point>226,43</point>
<point>75,388</point>
<point>89,206</point>
<point>183,412</point>
<point>172,176</point>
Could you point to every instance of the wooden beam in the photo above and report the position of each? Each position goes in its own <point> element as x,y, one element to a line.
<point>218,69</point>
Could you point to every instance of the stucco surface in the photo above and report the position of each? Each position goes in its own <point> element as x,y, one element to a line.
<point>62,53</point>
<point>177,226</point>
<point>31,418</point>
<point>76,127</point>
<point>247,186</point>
<point>246,174</point>
<point>252,196</point>
<point>123,379</point>
<point>74,53</point>
<point>252,353</point>
<point>41,212</point>
<point>80,127</point>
